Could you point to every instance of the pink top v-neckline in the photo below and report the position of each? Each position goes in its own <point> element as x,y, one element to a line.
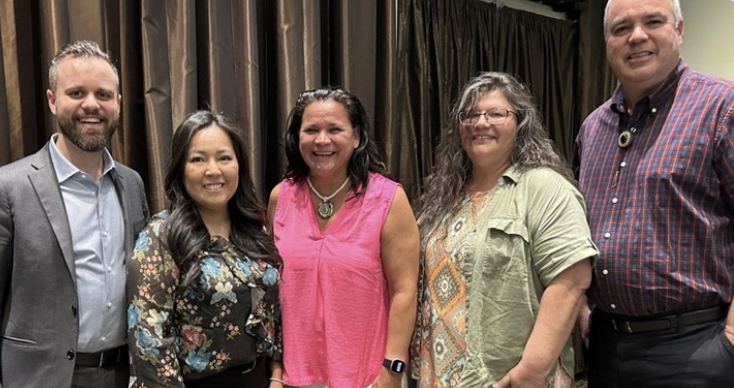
<point>333,294</point>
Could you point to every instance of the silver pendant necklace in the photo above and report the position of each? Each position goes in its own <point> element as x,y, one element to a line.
<point>326,208</point>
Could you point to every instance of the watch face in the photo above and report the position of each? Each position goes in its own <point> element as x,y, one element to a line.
<point>397,366</point>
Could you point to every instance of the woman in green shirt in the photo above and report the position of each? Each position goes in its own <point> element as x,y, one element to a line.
<point>506,250</point>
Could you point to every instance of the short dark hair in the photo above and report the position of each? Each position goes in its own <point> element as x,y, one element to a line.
<point>79,48</point>
<point>187,234</point>
<point>365,159</point>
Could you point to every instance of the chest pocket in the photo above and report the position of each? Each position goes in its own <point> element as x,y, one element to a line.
<point>505,248</point>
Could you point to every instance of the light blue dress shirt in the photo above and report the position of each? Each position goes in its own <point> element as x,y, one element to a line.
<point>97,230</point>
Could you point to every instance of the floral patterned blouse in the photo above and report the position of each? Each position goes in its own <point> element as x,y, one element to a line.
<point>226,318</point>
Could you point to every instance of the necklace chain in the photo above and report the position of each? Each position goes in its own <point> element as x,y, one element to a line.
<point>326,198</point>
<point>326,208</point>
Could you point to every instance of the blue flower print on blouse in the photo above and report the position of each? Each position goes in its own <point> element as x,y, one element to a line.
<point>198,359</point>
<point>210,267</point>
<point>245,265</point>
<point>270,277</point>
<point>194,330</point>
<point>143,242</point>
<point>146,342</point>
<point>133,317</point>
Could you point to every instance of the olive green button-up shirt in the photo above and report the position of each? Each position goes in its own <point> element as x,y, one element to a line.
<point>534,228</point>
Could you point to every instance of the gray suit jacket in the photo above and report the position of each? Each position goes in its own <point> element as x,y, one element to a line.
<point>38,298</point>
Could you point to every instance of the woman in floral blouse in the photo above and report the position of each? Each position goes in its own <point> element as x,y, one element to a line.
<point>203,280</point>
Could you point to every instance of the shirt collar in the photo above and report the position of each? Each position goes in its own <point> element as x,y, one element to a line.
<point>65,169</point>
<point>512,173</point>
<point>656,98</point>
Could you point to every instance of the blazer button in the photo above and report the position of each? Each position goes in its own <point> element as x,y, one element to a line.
<point>73,309</point>
<point>70,354</point>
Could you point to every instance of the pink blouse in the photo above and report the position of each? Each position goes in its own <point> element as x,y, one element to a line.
<point>333,294</point>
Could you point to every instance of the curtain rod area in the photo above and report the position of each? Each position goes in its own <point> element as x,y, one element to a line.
<point>529,6</point>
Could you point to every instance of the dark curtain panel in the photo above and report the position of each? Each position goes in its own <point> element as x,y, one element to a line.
<point>246,59</point>
<point>542,52</point>
<point>407,60</point>
<point>596,81</point>
<point>443,44</point>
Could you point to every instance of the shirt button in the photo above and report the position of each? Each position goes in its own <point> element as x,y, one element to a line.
<point>103,339</point>
<point>73,309</point>
<point>607,235</point>
<point>654,110</point>
<point>623,164</point>
<point>70,354</point>
<point>109,304</point>
<point>614,306</point>
<point>605,272</point>
<point>615,200</point>
<point>109,269</point>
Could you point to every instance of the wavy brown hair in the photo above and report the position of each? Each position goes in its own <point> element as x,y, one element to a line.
<point>532,149</point>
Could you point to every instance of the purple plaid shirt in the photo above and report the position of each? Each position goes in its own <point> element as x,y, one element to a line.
<point>662,211</point>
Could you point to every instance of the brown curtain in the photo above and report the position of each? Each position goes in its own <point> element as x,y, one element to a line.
<point>596,82</point>
<point>246,59</point>
<point>443,44</point>
<point>542,51</point>
<point>406,59</point>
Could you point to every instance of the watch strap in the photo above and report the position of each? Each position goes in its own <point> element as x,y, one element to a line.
<point>395,366</point>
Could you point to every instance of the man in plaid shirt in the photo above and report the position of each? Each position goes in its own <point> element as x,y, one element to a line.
<point>657,172</point>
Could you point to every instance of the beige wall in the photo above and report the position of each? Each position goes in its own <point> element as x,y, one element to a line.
<point>708,36</point>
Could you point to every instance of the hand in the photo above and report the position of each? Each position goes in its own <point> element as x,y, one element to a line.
<point>387,379</point>
<point>521,377</point>
<point>275,384</point>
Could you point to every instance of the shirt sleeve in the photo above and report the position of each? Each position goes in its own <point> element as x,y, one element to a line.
<point>273,327</point>
<point>151,285</point>
<point>559,232</point>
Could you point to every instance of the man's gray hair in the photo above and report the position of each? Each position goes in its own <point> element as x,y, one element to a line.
<point>674,6</point>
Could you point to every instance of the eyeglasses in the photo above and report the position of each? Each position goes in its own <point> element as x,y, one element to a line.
<point>493,117</point>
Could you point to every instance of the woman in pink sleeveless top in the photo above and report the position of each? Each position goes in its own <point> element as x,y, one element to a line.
<point>349,243</point>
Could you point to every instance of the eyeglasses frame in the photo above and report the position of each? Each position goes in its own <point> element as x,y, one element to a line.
<point>486,118</point>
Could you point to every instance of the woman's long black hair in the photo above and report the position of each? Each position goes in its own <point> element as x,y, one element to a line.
<point>186,235</point>
<point>366,157</point>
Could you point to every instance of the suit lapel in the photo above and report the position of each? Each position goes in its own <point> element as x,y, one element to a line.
<point>127,217</point>
<point>46,185</point>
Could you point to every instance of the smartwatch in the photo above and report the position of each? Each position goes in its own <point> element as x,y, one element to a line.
<point>395,366</point>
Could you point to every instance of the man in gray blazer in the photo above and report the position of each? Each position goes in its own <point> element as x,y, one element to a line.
<point>69,217</point>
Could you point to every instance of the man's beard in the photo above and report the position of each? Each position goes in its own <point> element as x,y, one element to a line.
<point>87,143</point>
